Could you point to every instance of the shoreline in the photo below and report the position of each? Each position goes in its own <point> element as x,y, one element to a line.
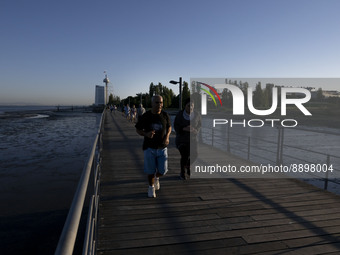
<point>17,112</point>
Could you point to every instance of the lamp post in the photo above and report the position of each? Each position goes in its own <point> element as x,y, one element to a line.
<point>180,90</point>
<point>106,81</point>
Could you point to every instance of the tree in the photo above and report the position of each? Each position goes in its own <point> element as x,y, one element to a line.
<point>160,88</point>
<point>185,92</point>
<point>114,100</point>
<point>147,100</point>
<point>169,98</point>
<point>227,98</point>
<point>258,96</point>
<point>244,87</point>
<point>151,89</point>
<point>319,94</point>
<point>157,90</point>
<point>268,95</point>
<point>166,97</point>
<point>110,99</point>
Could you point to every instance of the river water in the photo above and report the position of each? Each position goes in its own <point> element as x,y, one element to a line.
<point>42,155</point>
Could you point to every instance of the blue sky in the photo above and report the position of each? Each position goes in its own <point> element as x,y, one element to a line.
<point>55,52</point>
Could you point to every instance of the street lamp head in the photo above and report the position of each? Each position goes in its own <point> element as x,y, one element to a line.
<point>173,82</point>
<point>180,90</point>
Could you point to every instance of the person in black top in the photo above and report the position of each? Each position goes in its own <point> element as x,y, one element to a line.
<point>155,126</point>
<point>187,125</point>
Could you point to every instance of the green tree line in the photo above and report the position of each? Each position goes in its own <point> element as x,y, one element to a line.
<point>170,100</point>
<point>262,97</point>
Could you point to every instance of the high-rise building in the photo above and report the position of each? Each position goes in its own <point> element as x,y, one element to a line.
<point>100,95</point>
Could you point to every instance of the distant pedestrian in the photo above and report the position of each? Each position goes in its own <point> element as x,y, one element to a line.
<point>133,113</point>
<point>187,125</point>
<point>155,126</point>
<point>127,111</point>
<point>114,109</point>
<point>140,111</point>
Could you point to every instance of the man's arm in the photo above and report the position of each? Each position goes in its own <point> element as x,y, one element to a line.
<point>140,132</point>
<point>149,134</point>
<point>167,137</point>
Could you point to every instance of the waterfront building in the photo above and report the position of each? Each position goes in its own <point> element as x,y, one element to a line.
<point>100,95</point>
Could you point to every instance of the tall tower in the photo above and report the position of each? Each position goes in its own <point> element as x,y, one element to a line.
<point>106,81</point>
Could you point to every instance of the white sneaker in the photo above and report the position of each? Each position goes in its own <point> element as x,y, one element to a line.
<point>157,185</point>
<point>151,191</point>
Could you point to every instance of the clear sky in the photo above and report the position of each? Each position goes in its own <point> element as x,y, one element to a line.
<point>55,52</point>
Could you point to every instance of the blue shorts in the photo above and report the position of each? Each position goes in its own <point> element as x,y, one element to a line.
<point>156,160</point>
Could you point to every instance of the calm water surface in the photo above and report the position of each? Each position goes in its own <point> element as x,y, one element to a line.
<point>42,155</point>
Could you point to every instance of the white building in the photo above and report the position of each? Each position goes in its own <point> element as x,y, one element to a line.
<point>100,95</point>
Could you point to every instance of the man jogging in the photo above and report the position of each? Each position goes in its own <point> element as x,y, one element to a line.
<point>155,126</point>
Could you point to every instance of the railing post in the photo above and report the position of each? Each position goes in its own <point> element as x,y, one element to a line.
<point>278,146</point>
<point>228,138</point>
<point>248,147</point>
<point>326,178</point>
<point>212,138</point>
<point>281,145</point>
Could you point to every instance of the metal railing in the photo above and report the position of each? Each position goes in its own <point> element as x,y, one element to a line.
<point>91,170</point>
<point>274,151</point>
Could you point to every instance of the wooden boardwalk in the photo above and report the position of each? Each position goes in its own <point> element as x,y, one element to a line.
<point>206,216</point>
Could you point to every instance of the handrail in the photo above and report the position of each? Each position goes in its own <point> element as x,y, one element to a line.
<point>210,136</point>
<point>68,236</point>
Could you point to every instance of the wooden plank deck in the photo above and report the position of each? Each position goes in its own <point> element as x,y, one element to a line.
<point>206,216</point>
